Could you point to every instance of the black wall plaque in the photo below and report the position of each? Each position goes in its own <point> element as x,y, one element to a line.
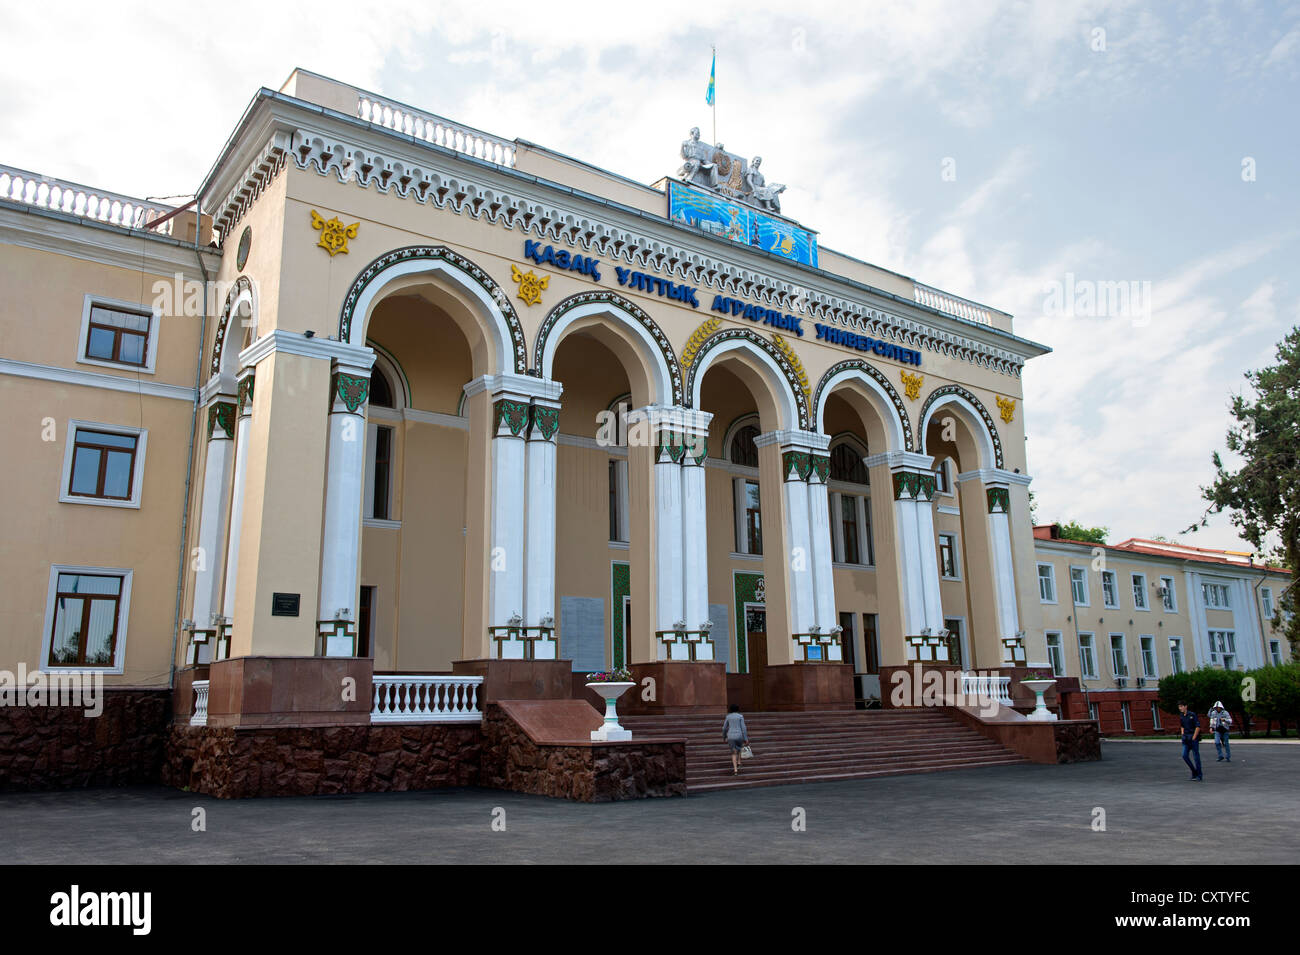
<point>285,605</point>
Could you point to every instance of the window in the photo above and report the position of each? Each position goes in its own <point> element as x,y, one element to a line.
<point>117,334</point>
<point>1093,712</point>
<point>379,473</point>
<point>847,465</point>
<point>870,644</point>
<point>85,619</point>
<point>1126,716</point>
<point>941,482</point>
<point>1167,594</point>
<point>1148,646</point>
<point>1109,589</point>
<point>1216,596</point>
<point>1140,592</point>
<point>743,449</point>
<point>1087,660</point>
<point>953,626</point>
<point>619,517</point>
<point>1155,716</point>
<point>1223,649</point>
<point>1275,651</point>
<point>849,527</point>
<point>948,556</point>
<point>381,391</point>
<point>1266,596</point>
<point>1176,654</point>
<point>749,518</point>
<point>1118,656</point>
<point>1079,586</point>
<point>1046,584</point>
<point>1056,654</point>
<point>103,464</point>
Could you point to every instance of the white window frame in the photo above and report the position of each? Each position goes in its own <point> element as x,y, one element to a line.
<point>137,478</point>
<point>123,615</point>
<point>1152,673</point>
<point>1178,663</point>
<point>1218,590</point>
<point>1114,589</point>
<point>1123,649</point>
<point>862,503</point>
<point>1051,576</point>
<point>1060,652</point>
<point>1275,652</point>
<point>151,342</point>
<point>1266,600</point>
<point>1170,600</point>
<point>1126,715</point>
<point>1155,716</point>
<point>623,516</point>
<point>1134,577</point>
<point>1220,641</point>
<point>738,508</point>
<point>956,561</point>
<point>1086,601</point>
<point>944,466</point>
<point>368,492</point>
<point>1087,672</point>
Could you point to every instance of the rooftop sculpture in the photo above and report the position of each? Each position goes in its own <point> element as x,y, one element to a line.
<point>715,169</point>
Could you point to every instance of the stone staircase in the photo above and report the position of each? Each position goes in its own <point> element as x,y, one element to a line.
<point>825,746</point>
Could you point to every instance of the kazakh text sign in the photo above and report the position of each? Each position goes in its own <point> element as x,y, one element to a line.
<point>756,313</point>
<point>837,336</point>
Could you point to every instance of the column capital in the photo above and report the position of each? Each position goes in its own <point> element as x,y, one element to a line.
<point>900,459</point>
<point>221,419</point>
<point>518,387</point>
<point>349,390</point>
<point>296,343</point>
<point>247,378</point>
<point>673,418</point>
<point>994,476</point>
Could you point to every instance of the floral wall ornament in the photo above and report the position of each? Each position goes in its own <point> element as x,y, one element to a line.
<point>221,414</point>
<point>530,286</point>
<point>334,234</point>
<point>912,384</point>
<point>546,421</point>
<point>795,363</point>
<point>999,499</point>
<point>351,390</point>
<point>707,328</point>
<point>1008,408</point>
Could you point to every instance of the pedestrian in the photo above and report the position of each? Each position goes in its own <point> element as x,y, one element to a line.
<point>736,735</point>
<point>1220,721</point>
<point>1191,724</point>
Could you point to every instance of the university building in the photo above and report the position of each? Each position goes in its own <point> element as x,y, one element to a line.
<point>445,418</point>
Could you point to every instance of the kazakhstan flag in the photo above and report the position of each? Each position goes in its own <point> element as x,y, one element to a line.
<point>713,73</point>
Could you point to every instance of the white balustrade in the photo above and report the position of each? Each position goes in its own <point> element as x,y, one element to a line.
<point>58,195</point>
<point>434,129</point>
<point>952,304</point>
<point>426,699</point>
<point>987,687</point>
<point>200,715</point>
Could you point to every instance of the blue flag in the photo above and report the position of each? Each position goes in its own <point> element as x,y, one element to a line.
<point>713,73</point>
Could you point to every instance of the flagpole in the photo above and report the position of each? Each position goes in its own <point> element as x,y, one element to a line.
<point>715,95</point>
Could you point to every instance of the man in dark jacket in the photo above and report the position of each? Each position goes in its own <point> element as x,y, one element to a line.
<point>1191,724</point>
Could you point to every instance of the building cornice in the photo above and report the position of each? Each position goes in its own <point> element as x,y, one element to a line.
<point>296,343</point>
<point>92,379</point>
<point>900,459</point>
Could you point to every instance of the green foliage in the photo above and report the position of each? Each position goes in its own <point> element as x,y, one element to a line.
<point>1263,498</point>
<point>1277,693</point>
<point>1072,530</point>
<point>1200,688</point>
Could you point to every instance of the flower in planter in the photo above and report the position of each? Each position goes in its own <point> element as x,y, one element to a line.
<point>617,675</point>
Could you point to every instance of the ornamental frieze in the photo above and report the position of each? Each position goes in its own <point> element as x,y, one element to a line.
<point>796,465</point>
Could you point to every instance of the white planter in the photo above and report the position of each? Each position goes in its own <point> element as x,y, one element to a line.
<point>1041,712</point>
<point>610,730</point>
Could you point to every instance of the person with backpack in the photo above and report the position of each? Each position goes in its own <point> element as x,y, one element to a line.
<point>1220,721</point>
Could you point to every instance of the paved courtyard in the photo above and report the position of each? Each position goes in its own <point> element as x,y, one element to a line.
<point>1152,814</point>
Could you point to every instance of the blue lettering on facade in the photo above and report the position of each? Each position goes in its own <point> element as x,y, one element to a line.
<point>562,259</point>
<point>837,336</point>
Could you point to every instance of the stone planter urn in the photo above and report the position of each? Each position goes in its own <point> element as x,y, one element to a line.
<point>1039,687</point>
<point>610,730</point>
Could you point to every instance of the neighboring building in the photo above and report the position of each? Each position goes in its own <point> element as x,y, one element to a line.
<point>1118,617</point>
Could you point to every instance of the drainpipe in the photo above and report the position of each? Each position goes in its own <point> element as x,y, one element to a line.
<point>189,459</point>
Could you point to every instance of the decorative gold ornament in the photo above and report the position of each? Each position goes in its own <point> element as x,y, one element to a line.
<point>912,384</point>
<point>707,328</point>
<point>530,286</point>
<point>795,363</point>
<point>334,234</point>
<point>1008,408</point>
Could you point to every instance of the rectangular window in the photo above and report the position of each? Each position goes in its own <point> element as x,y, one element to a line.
<point>383,470</point>
<point>1275,651</point>
<point>1118,656</point>
<point>1109,589</point>
<point>870,647</point>
<point>1126,716</point>
<point>85,618</point>
<point>618,508</point>
<point>103,464</point>
<point>1216,596</point>
<point>1140,592</point>
<point>864,508</point>
<point>1087,659</point>
<point>849,521</point>
<point>955,655</point>
<point>1155,716</point>
<point>117,333</point>
<point>1056,654</point>
<point>1176,654</point>
<point>1079,586</point>
<point>1266,596</point>
<point>1167,594</point>
<point>1093,712</point>
<point>948,556</point>
<point>749,519</point>
<point>941,483</point>
<point>1148,656</point>
<point>1223,649</point>
<point>1046,584</point>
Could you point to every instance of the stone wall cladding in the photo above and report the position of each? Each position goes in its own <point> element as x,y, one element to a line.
<point>1077,742</point>
<point>583,773</point>
<point>59,747</point>
<point>234,763</point>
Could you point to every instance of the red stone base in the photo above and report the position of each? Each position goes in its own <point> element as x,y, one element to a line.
<point>519,679</point>
<point>908,691</point>
<point>250,692</point>
<point>678,687</point>
<point>809,686</point>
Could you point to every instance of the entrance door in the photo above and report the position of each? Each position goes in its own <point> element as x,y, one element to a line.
<point>756,642</point>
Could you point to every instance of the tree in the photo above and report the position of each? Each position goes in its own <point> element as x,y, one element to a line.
<point>1072,530</point>
<point>1277,694</point>
<point>1263,497</point>
<point>1201,689</point>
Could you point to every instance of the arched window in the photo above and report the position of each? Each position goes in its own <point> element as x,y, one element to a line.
<point>847,464</point>
<point>743,449</point>
<point>381,390</point>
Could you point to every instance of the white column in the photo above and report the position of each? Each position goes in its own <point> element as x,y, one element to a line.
<point>344,490</point>
<point>246,382</point>
<point>214,510</point>
<point>997,497</point>
<point>539,533</point>
<point>912,480</point>
<point>695,552</point>
<point>821,552</point>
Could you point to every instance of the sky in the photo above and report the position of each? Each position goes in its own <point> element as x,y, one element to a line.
<point>1021,154</point>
